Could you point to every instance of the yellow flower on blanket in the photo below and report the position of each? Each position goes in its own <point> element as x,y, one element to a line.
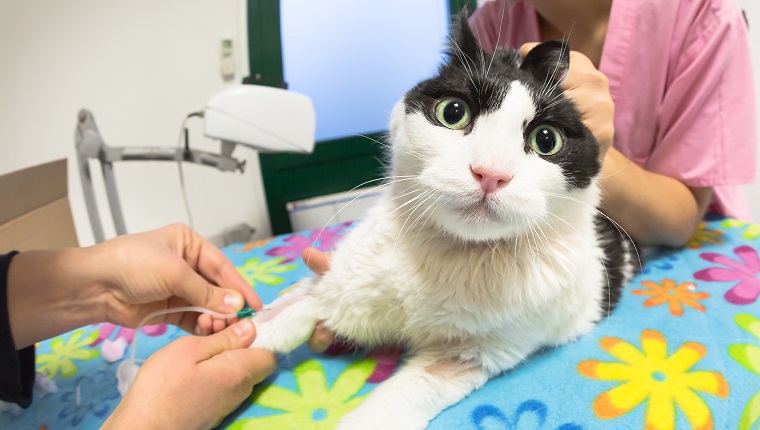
<point>63,354</point>
<point>315,406</point>
<point>649,374</point>
<point>748,355</point>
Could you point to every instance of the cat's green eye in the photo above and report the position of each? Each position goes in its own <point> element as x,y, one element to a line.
<point>453,113</point>
<point>546,140</point>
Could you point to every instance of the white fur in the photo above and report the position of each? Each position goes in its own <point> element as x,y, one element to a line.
<point>470,284</point>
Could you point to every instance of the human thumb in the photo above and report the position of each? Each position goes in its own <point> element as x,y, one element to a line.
<point>237,336</point>
<point>200,292</point>
<point>527,47</point>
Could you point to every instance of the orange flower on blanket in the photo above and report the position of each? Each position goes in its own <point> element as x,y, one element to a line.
<point>676,296</point>
<point>253,245</point>
<point>650,375</point>
<point>703,235</point>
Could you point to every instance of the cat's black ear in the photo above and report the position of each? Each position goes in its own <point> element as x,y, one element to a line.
<point>464,47</point>
<point>548,61</point>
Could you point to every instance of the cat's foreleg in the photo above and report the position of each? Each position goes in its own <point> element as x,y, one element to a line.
<point>286,323</point>
<point>416,394</point>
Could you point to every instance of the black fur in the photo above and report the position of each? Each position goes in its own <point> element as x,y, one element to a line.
<point>619,257</point>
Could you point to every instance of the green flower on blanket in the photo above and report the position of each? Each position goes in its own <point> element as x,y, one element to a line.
<point>749,357</point>
<point>254,270</point>
<point>63,354</point>
<point>751,231</point>
<point>315,406</point>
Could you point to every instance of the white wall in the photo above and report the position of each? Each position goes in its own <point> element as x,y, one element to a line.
<point>139,66</point>
<point>752,8</point>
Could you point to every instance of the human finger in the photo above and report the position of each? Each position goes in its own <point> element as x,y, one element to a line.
<point>203,325</point>
<point>256,363</point>
<point>321,338</point>
<point>197,291</point>
<point>212,264</point>
<point>527,47</point>
<point>236,336</point>
<point>316,260</point>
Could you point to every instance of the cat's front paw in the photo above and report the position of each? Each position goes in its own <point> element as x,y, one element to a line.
<point>287,323</point>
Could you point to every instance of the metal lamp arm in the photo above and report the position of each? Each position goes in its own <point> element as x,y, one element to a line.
<point>90,145</point>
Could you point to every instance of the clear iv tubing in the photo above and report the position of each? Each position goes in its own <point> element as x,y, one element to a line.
<point>164,312</point>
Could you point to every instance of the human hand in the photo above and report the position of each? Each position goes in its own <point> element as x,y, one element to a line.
<point>589,90</point>
<point>194,382</point>
<point>166,268</point>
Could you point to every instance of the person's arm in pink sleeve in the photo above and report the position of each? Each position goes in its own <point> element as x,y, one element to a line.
<point>654,209</point>
<point>706,138</point>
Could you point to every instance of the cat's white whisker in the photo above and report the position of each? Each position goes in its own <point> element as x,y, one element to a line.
<point>416,221</point>
<point>329,222</point>
<point>498,37</point>
<point>464,58</point>
<point>618,226</point>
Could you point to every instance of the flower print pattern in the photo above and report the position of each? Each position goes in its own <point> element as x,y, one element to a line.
<point>748,356</point>
<point>746,271</point>
<point>65,352</point>
<point>254,270</point>
<point>650,375</point>
<point>750,231</point>
<point>315,406</point>
<point>491,417</point>
<point>107,329</point>
<point>323,240</point>
<point>252,245</point>
<point>88,397</point>
<point>676,296</point>
<point>659,261</point>
<point>703,236</point>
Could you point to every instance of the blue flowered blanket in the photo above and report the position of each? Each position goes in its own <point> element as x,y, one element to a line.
<point>681,351</point>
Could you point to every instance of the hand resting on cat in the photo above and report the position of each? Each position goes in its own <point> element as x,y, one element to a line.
<point>487,244</point>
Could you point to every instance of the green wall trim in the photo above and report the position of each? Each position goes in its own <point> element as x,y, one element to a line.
<point>265,42</point>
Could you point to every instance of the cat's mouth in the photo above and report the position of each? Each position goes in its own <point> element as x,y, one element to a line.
<point>480,210</point>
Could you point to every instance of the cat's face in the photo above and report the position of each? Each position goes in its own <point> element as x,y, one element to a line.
<point>493,145</point>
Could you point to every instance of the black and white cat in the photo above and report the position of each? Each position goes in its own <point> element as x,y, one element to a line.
<point>487,244</point>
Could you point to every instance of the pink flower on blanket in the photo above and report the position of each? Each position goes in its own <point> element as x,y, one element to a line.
<point>746,270</point>
<point>321,239</point>
<point>106,329</point>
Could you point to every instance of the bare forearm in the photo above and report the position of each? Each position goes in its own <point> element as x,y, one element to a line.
<point>654,209</point>
<point>51,292</point>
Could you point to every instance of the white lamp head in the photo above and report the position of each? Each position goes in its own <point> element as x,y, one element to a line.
<point>264,118</point>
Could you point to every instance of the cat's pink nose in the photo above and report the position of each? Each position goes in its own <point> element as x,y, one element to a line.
<point>490,179</point>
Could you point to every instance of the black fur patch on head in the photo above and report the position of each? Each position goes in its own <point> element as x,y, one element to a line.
<point>483,80</point>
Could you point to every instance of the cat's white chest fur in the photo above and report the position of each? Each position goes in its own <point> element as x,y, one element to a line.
<point>475,301</point>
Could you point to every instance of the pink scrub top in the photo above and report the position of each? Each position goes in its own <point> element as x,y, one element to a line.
<point>680,75</point>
